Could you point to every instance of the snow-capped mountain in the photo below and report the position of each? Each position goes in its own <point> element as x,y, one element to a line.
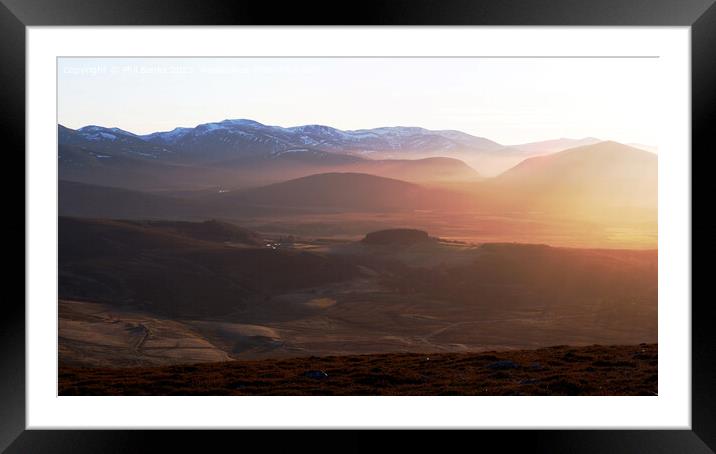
<point>242,151</point>
<point>233,136</point>
<point>251,137</point>
<point>94,153</point>
<point>241,140</point>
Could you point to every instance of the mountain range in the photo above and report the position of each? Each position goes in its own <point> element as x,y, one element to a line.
<point>244,138</point>
<point>244,152</point>
<point>239,168</point>
<point>601,183</point>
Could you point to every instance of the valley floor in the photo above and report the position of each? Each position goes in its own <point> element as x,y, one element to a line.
<point>560,370</point>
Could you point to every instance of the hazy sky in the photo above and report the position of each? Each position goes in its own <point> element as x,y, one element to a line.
<point>510,101</point>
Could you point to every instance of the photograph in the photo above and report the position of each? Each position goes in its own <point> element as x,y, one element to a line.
<point>412,219</point>
<point>333,226</point>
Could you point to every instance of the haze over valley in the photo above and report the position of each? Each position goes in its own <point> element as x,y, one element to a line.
<point>240,241</point>
<point>312,179</point>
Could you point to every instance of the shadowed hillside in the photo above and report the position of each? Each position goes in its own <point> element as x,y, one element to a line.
<point>88,200</point>
<point>543,279</point>
<point>211,230</point>
<point>178,270</point>
<point>342,192</point>
<point>241,295</point>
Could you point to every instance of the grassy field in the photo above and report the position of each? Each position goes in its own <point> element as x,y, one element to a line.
<point>561,370</point>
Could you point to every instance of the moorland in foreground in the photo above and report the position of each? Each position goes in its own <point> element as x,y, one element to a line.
<point>562,370</point>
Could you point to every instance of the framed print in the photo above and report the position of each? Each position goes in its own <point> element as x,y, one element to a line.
<point>473,216</point>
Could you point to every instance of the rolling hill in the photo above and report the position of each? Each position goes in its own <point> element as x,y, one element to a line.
<point>601,161</point>
<point>602,180</point>
<point>329,192</point>
<point>342,192</point>
<point>428,170</point>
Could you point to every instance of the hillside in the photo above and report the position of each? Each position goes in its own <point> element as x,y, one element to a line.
<point>341,192</point>
<point>89,200</point>
<point>138,293</point>
<point>588,164</point>
<point>542,279</point>
<point>607,182</point>
<point>211,230</point>
<point>435,169</point>
<point>179,270</point>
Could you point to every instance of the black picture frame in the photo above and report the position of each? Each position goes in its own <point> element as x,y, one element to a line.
<point>700,15</point>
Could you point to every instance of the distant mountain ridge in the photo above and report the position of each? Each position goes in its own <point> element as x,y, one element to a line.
<point>242,153</point>
<point>251,137</point>
<point>244,138</point>
<point>320,137</point>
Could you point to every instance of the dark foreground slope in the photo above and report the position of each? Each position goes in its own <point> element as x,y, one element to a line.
<point>214,287</point>
<point>562,370</point>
